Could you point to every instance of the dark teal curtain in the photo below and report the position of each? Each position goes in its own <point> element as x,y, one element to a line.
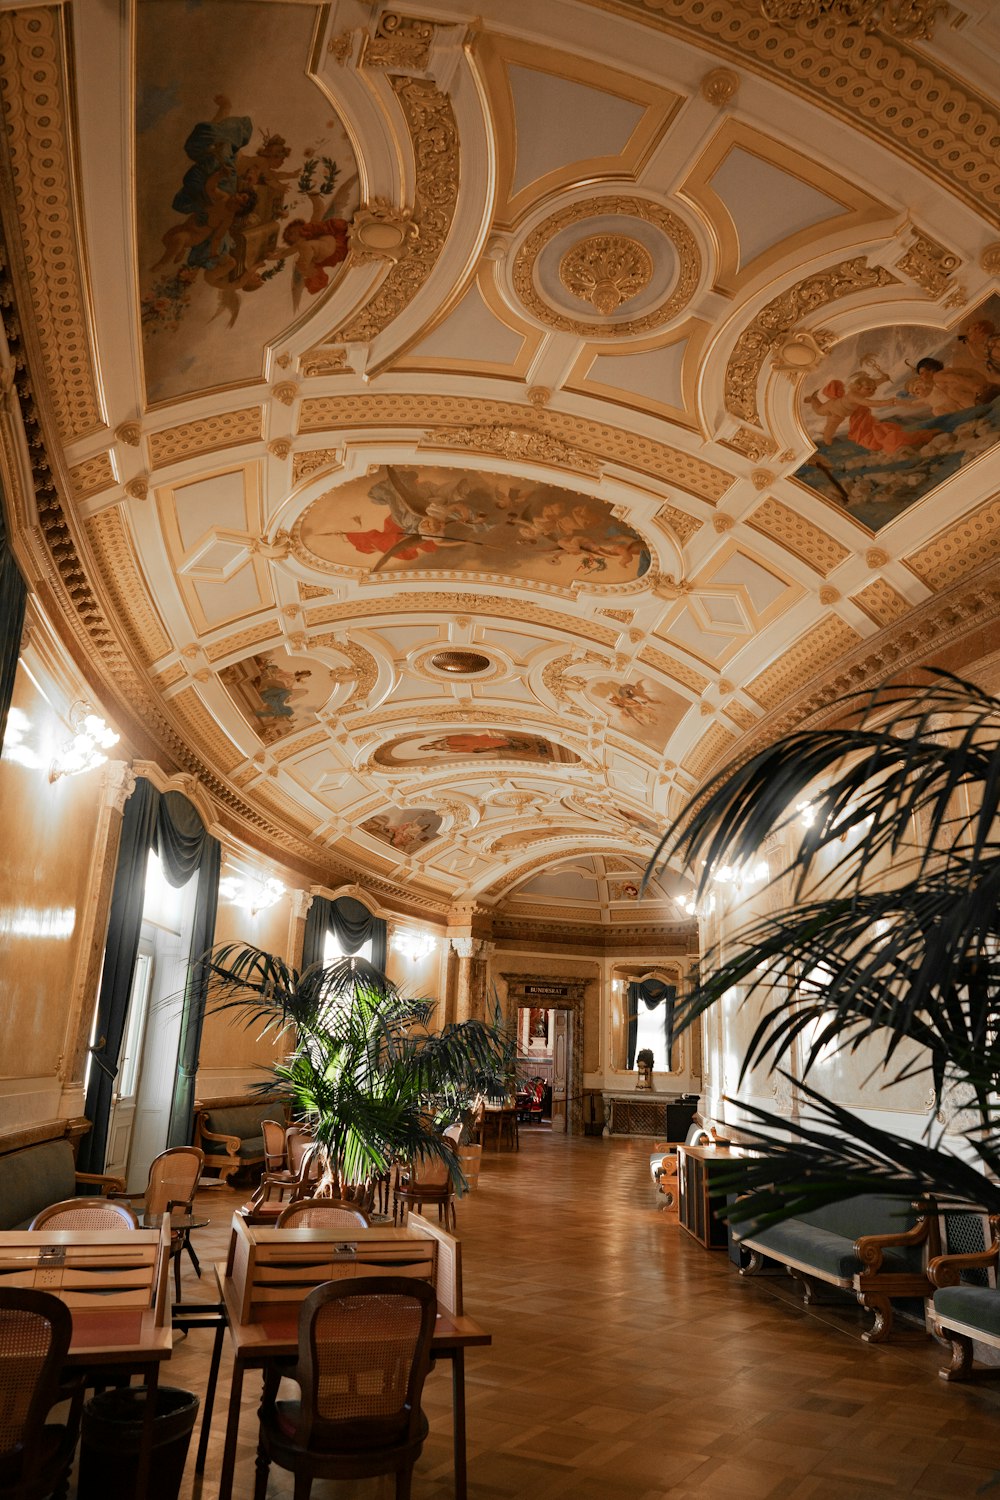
<point>13,595</point>
<point>650,993</point>
<point>351,923</point>
<point>170,825</point>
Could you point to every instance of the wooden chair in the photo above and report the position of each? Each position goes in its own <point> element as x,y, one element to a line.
<point>173,1181</point>
<point>35,1456</point>
<point>275,1150</point>
<point>364,1353</point>
<point>315,1213</point>
<point>85,1213</point>
<point>427,1180</point>
<point>278,1189</point>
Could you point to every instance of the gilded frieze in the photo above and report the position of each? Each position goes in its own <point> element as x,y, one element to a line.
<point>92,476</point>
<point>683,525</point>
<point>710,749</point>
<point>612,444</point>
<point>124,587</point>
<point>242,640</point>
<point>795,668</point>
<point>671,667</point>
<point>908,102</point>
<point>430,120</point>
<point>960,548</point>
<point>780,316</point>
<point>474,604</point>
<point>205,435</point>
<point>801,536</point>
<point>526,443</point>
<point>881,602</point>
<point>929,264</point>
<point>37,112</point>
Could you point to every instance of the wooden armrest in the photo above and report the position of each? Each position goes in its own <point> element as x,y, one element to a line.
<point>946,1270</point>
<point>110,1184</point>
<point>232,1143</point>
<point>869,1247</point>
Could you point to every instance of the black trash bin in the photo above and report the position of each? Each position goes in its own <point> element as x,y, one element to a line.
<point>110,1436</point>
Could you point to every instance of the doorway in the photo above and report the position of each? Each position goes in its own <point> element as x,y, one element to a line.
<point>557,1007</point>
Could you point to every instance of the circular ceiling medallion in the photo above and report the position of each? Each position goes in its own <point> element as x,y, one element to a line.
<point>461,663</point>
<point>606,270</point>
<point>653,269</point>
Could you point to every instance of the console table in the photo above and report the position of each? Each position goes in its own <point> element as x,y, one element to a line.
<point>642,1112</point>
<point>696,1166</point>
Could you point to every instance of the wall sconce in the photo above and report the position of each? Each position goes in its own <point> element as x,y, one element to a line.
<point>253,895</point>
<point>86,749</point>
<point>412,944</point>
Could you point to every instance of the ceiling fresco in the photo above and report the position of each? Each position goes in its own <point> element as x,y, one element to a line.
<point>428,520</point>
<point>246,183</point>
<point>450,437</point>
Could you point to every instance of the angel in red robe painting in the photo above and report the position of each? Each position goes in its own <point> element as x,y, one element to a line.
<point>856,404</point>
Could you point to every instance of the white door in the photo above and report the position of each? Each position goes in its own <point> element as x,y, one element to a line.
<point>559,1020</point>
<point>121,1120</point>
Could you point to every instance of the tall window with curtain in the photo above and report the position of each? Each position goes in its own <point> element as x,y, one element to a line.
<point>351,923</point>
<point>13,597</point>
<point>169,824</point>
<point>645,1021</point>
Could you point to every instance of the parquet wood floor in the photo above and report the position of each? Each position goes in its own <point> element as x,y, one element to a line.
<point>630,1364</point>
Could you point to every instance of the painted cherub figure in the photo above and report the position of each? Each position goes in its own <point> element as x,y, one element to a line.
<point>317,244</point>
<point>856,404</point>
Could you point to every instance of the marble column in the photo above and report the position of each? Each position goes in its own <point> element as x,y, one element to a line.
<point>300,904</point>
<point>464,948</point>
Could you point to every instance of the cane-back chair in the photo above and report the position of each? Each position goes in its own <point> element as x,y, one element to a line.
<point>364,1352</point>
<point>173,1181</point>
<point>278,1189</point>
<point>35,1455</point>
<point>428,1179</point>
<point>322,1213</point>
<point>85,1213</point>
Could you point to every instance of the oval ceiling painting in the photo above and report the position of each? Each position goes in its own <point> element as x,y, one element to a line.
<point>895,410</point>
<point>463,746</point>
<point>437,520</point>
<point>406,829</point>
<point>245,185</point>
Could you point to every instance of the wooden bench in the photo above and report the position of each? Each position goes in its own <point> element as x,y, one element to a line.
<point>877,1247</point>
<point>229,1131</point>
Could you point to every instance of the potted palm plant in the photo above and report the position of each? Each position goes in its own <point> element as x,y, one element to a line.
<point>909,960</point>
<point>362,1067</point>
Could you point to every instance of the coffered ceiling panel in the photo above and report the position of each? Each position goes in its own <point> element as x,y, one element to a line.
<point>450,437</point>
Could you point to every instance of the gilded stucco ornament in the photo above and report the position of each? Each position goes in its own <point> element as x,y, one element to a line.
<point>138,488</point>
<point>719,86</point>
<point>514,443</point>
<point>606,270</point>
<point>670,225</point>
<point>876,557</point>
<point>399,42</point>
<point>761,478</point>
<point>381,231</point>
<point>989,259</point>
<point>285,392</point>
<point>905,18</point>
<point>929,264</point>
<point>280,448</point>
<point>129,433</point>
<point>800,352</point>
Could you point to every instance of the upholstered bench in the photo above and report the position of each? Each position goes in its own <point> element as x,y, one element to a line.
<point>38,1175</point>
<point>872,1245</point>
<point>230,1131</point>
<point>967,1303</point>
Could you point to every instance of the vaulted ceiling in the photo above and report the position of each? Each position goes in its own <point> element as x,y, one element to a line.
<point>455,433</point>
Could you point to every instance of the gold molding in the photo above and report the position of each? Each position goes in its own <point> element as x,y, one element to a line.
<point>797,666</point>
<point>205,435</point>
<point>514,443</point>
<point>688,472</point>
<point>34,60</point>
<point>92,475</point>
<point>670,225</point>
<point>693,333</point>
<point>433,131</point>
<point>881,602</point>
<point>763,335</point>
<point>958,549</point>
<point>800,536</point>
<point>606,270</point>
<point>482,605</point>
<point>886,90</point>
<point>860,209</point>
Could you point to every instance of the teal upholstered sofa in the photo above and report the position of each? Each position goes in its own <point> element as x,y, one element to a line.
<point>876,1247</point>
<point>37,1175</point>
<point>967,1302</point>
<point>230,1133</point>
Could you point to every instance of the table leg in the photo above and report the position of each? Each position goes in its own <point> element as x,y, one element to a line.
<point>146,1442</point>
<point>232,1434</point>
<point>190,1250</point>
<point>458,1418</point>
<point>206,1415</point>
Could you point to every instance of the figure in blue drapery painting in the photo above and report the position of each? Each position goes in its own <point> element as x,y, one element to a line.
<point>898,409</point>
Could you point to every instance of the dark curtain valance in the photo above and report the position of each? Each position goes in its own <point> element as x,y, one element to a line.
<point>351,923</point>
<point>13,596</point>
<point>650,993</point>
<point>169,824</point>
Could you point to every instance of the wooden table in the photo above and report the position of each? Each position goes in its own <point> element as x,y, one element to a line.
<point>498,1124</point>
<point>130,1340</point>
<point>255,1344</point>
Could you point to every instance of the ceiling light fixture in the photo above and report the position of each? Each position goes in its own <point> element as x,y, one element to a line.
<point>86,749</point>
<point>253,894</point>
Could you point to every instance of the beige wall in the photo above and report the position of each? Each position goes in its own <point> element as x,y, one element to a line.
<point>49,832</point>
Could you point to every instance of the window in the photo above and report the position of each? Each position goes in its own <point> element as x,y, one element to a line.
<point>649,1033</point>
<point>332,950</point>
